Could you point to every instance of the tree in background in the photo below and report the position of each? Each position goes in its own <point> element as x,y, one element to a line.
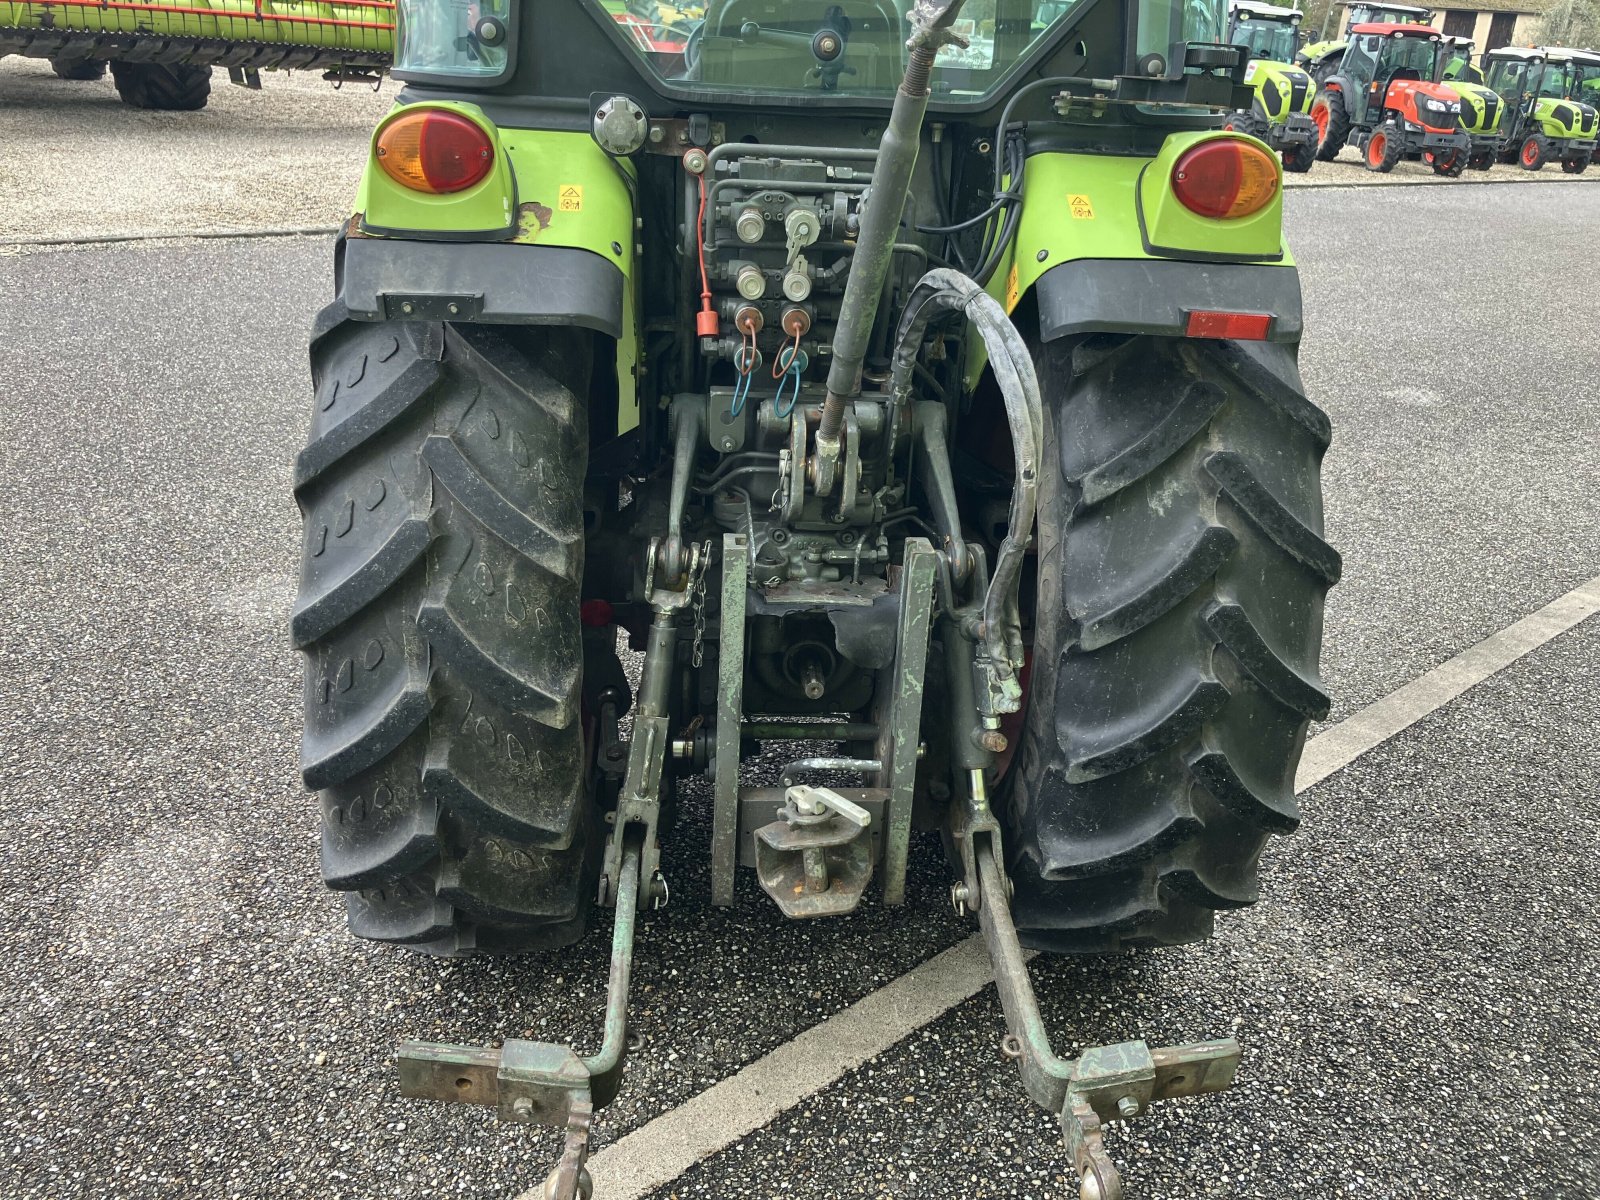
<point>1571,23</point>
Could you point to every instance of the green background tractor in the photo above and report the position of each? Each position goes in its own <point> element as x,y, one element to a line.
<point>1280,112</point>
<point>1541,125</point>
<point>915,392</point>
<point>1482,109</point>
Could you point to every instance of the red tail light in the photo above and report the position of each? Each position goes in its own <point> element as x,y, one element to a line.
<point>429,150</point>
<point>1225,178</point>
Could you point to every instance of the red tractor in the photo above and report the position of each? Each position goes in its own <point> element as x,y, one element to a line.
<point>1381,100</point>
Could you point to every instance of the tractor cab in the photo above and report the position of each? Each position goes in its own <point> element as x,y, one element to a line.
<point>1455,63</point>
<point>1387,62</point>
<point>1322,58</point>
<point>1543,123</point>
<point>1269,32</point>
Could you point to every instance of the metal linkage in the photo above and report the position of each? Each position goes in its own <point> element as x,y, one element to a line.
<point>1105,1083</point>
<point>540,1083</point>
<point>543,1083</point>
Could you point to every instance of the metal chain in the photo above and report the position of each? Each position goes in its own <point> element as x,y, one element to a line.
<point>697,598</point>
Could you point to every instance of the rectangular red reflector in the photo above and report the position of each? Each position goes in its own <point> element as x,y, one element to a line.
<point>1243,327</point>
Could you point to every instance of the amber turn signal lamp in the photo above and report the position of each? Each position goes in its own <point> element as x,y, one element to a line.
<point>430,150</point>
<point>1225,178</point>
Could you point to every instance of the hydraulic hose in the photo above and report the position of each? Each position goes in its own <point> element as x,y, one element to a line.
<point>945,290</point>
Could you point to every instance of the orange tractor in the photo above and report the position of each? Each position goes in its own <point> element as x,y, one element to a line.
<point>1382,101</point>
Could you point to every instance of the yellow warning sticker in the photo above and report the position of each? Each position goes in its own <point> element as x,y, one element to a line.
<point>1080,207</point>
<point>1012,293</point>
<point>571,198</point>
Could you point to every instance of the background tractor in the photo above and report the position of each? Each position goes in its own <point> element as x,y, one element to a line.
<point>1382,101</point>
<point>1481,106</point>
<point>1323,56</point>
<point>1279,114</point>
<point>161,52</point>
<point>1541,123</point>
<point>916,393</point>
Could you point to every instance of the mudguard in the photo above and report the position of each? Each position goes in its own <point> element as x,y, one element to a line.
<point>1102,247</point>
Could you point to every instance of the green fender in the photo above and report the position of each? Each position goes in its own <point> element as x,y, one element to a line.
<point>1103,245</point>
<point>547,237</point>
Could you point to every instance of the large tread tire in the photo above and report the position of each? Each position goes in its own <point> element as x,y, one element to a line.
<point>166,87</point>
<point>438,614</point>
<point>1333,124</point>
<point>1182,571</point>
<point>79,70</point>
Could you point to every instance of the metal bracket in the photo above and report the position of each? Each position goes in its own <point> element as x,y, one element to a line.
<point>901,724</point>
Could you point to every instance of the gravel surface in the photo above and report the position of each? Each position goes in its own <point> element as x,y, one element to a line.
<point>185,1015</point>
<point>78,162</point>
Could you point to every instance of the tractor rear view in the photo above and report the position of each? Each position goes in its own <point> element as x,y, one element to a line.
<point>1279,114</point>
<point>1382,101</point>
<point>917,393</point>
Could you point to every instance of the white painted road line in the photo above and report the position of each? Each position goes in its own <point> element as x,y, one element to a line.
<point>1347,741</point>
<point>663,1149</point>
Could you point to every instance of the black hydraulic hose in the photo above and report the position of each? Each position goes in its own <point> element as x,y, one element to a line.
<point>944,291</point>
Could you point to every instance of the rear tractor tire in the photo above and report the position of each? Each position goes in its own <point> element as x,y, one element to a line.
<point>165,87</point>
<point>1179,619</point>
<point>438,615</point>
<point>1332,120</point>
<point>79,70</point>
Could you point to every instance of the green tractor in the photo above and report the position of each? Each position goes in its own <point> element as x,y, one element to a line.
<point>1322,57</point>
<point>1482,109</point>
<point>1280,112</point>
<point>1541,123</point>
<point>1581,77</point>
<point>916,394</point>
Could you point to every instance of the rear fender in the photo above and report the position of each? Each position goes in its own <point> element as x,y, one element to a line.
<point>1103,247</point>
<point>546,239</point>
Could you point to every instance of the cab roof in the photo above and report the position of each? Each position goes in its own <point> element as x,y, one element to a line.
<point>1398,8</point>
<point>1256,8</point>
<point>1525,53</point>
<point>1393,29</point>
<point>1570,54</point>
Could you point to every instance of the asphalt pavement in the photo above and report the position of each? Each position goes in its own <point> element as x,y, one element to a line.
<point>185,1015</point>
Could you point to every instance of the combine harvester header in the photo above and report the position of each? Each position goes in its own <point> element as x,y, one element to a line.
<point>161,54</point>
